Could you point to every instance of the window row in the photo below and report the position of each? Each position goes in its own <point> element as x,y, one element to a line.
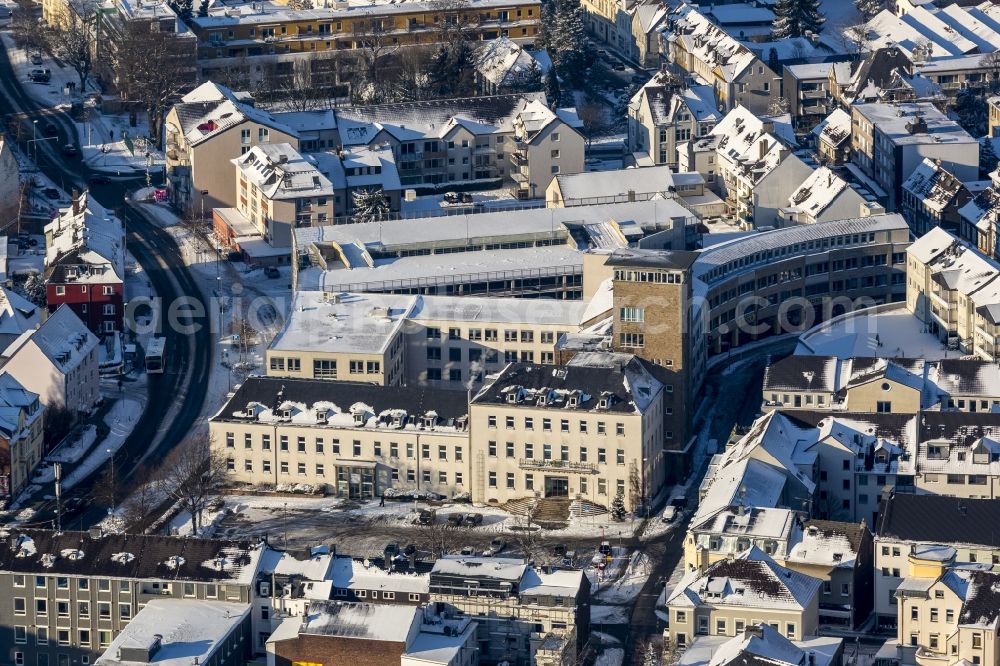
<point>528,423</point>
<point>357,448</point>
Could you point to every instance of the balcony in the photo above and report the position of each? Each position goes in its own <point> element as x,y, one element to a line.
<point>520,178</point>
<point>484,150</point>
<point>819,93</point>
<point>519,159</point>
<point>928,657</point>
<point>558,466</point>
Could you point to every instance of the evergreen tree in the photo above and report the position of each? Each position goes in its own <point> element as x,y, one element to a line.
<point>618,507</point>
<point>792,18</point>
<point>566,38</point>
<point>552,90</point>
<point>370,205</point>
<point>987,156</point>
<point>972,111</point>
<point>869,8</point>
<point>203,8</point>
<point>183,8</point>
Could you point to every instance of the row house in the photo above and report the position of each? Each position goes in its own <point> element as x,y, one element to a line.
<point>919,534</point>
<point>664,114</point>
<point>21,436</point>
<point>952,288</point>
<point>838,553</point>
<point>933,197</point>
<point>85,265</point>
<point>704,50</point>
<point>833,138</point>
<point>823,197</point>
<point>980,220</point>
<point>741,591</point>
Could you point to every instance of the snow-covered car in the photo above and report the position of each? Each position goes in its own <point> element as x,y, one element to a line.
<point>670,514</point>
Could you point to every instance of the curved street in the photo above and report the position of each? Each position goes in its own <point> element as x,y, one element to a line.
<point>175,398</point>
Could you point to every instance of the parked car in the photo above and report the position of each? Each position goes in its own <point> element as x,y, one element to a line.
<point>99,179</point>
<point>410,549</point>
<point>468,550</point>
<point>69,150</point>
<point>73,506</point>
<point>50,129</point>
<point>639,78</point>
<point>497,545</point>
<point>455,519</point>
<point>51,193</point>
<point>391,551</point>
<point>669,513</point>
<point>618,67</point>
<point>36,58</point>
<point>452,197</point>
<point>559,549</point>
<point>605,548</point>
<point>40,75</point>
<point>272,272</point>
<point>473,519</point>
<point>426,516</point>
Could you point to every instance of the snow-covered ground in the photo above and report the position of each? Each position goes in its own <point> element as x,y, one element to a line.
<point>434,204</point>
<point>120,419</point>
<point>627,587</point>
<point>600,614</point>
<point>52,93</point>
<point>610,657</point>
<point>70,451</point>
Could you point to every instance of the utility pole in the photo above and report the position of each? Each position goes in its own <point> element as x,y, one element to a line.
<point>114,489</point>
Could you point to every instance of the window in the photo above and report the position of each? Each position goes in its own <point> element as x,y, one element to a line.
<point>324,369</point>
<point>620,457</point>
<point>720,626</point>
<point>620,429</point>
<point>510,480</point>
<point>42,635</point>
<point>884,406</point>
<point>632,314</point>
<point>493,479</point>
<point>492,449</point>
<point>789,630</point>
<point>510,449</point>
<point>602,456</point>
<point>20,635</point>
<point>41,607</point>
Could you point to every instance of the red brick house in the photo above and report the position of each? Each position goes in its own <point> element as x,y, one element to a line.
<point>85,265</point>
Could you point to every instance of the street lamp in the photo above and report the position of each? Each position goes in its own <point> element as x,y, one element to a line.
<point>111,511</point>
<point>34,139</point>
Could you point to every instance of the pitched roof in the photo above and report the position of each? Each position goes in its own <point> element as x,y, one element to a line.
<point>62,338</point>
<point>940,519</point>
<point>802,373</point>
<point>751,579</point>
<point>87,246</point>
<point>934,186</point>
<point>17,314</point>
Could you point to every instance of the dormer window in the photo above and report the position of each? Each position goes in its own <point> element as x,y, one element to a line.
<point>286,413</point>
<point>429,421</point>
<point>359,419</point>
<point>512,397</point>
<point>573,400</point>
<point>321,416</point>
<point>602,403</point>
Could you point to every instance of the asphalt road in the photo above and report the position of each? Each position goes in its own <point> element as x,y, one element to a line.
<point>175,398</point>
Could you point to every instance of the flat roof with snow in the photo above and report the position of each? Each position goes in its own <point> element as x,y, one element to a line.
<point>192,632</point>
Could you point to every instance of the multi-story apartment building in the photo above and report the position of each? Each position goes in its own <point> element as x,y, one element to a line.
<point>357,440</point>
<point>920,533</point>
<point>439,341</point>
<point>538,252</point>
<point>706,51</point>
<point>545,143</point>
<point>959,454</point>
<point>889,141</point>
<point>932,197</point>
<point>757,171</point>
<point>517,606</point>
<point>806,87</point>
<point>278,190</point>
<point>10,183</point>
<point>664,114</point>
<point>59,362</point>
<point>21,436</point>
<point>947,614</point>
<point>741,591</point>
<point>954,290</point>
<point>85,265</point>
<point>277,35</point>
<point>762,642</point>
<point>204,132</point>
<point>588,430</point>
<point>610,22</point>
<point>648,19</point>
<point>69,595</point>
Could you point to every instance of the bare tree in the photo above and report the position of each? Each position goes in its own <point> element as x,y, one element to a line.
<point>193,474</point>
<point>592,117</point>
<point>25,27</point>
<point>375,44</point>
<point>138,507</point>
<point>991,64</point>
<point>438,538</point>
<point>246,333</point>
<point>70,40</point>
<point>152,68</point>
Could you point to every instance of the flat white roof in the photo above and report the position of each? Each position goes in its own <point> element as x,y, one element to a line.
<point>191,629</point>
<point>887,331</point>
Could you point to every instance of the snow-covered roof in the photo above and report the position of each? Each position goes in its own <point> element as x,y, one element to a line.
<point>835,128</point>
<point>351,574</point>
<point>640,180</point>
<point>708,42</point>
<point>828,543</point>
<point>189,630</point>
<point>898,122</point>
<point>207,116</point>
<point>750,521</point>
<point>62,338</point>
<point>501,568</point>
<point>315,567</point>
<point>85,244</point>
<point>820,189</point>
<point>360,621</point>
<point>750,580</point>
<point>19,407</point>
<point>412,121</point>
<point>932,185</point>
<point>504,62</point>
<point>761,644</point>
<point>280,172</point>
<point>17,314</point>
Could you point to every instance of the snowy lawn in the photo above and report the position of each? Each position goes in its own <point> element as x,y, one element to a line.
<point>70,450</point>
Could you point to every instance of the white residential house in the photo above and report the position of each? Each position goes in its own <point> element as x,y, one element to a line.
<point>58,361</point>
<point>17,315</point>
<point>503,65</point>
<point>662,115</point>
<point>821,197</point>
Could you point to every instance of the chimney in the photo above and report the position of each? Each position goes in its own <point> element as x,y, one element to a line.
<point>76,202</point>
<point>763,148</point>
